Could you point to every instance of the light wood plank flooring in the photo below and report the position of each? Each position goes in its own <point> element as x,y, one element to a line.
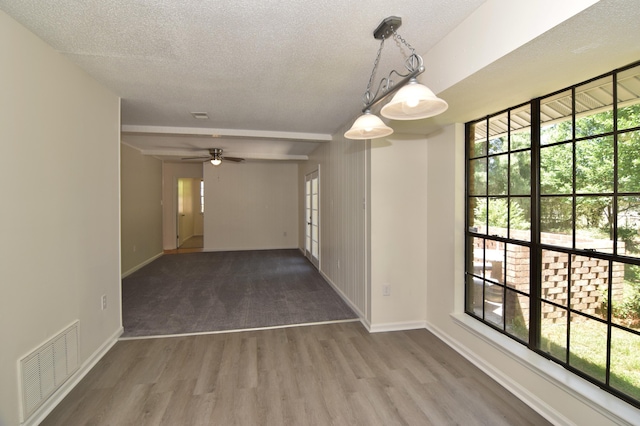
<point>336,374</point>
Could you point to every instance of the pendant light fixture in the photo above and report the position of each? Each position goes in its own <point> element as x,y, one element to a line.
<point>412,100</point>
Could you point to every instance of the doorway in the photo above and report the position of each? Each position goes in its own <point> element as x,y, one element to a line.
<point>312,216</point>
<point>190,213</point>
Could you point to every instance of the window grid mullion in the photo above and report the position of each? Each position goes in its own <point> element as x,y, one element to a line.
<point>535,253</point>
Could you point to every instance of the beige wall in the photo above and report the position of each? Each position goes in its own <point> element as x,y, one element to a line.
<point>251,206</point>
<point>398,231</point>
<point>60,181</point>
<point>141,217</point>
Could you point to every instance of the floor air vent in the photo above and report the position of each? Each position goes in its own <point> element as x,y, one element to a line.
<point>47,368</point>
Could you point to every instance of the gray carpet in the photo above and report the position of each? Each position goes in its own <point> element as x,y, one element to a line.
<point>216,291</point>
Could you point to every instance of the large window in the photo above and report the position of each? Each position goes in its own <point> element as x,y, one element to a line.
<point>553,227</point>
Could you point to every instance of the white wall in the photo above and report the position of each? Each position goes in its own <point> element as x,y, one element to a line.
<point>170,174</point>
<point>398,231</point>
<point>251,206</point>
<point>59,177</point>
<point>141,206</point>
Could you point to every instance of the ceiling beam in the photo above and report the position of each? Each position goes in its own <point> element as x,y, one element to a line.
<point>226,133</point>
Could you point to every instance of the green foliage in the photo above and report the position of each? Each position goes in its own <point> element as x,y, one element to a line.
<point>499,213</point>
<point>629,307</point>
<point>629,235</point>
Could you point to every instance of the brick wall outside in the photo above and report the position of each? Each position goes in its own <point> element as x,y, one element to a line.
<point>589,276</point>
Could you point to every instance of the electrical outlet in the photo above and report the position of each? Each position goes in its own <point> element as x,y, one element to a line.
<point>104,302</point>
<point>386,289</point>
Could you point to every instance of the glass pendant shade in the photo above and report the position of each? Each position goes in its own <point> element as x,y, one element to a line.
<point>413,102</point>
<point>216,161</point>
<point>368,126</point>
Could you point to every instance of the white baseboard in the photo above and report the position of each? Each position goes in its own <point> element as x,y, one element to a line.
<point>344,297</point>
<point>141,265</point>
<point>397,326</point>
<point>606,404</point>
<point>48,406</point>
<point>211,250</point>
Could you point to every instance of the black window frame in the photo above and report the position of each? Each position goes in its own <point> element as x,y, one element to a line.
<point>473,275</point>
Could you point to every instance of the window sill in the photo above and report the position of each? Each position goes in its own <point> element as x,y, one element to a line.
<point>605,403</point>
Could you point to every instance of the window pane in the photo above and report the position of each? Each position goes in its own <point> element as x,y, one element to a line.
<point>498,134</point>
<point>628,101</point>
<point>629,226</point>
<point>589,284</point>
<point>628,164</point>
<point>517,268</point>
<point>553,331</point>
<point>520,124</point>
<point>498,170</point>
<point>498,217</point>
<point>493,312</point>
<point>520,173</point>
<point>555,118</point>
<point>588,346</point>
<point>474,295</point>
<point>478,139</point>
<point>625,295</point>
<point>594,165</point>
<point>594,107</point>
<point>516,309</point>
<point>594,223</point>
<point>494,261</point>
<point>556,169</point>
<point>556,221</point>
<point>478,177</point>
<point>479,266</point>
<point>520,219</point>
<point>478,215</point>
<point>555,277</point>
<point>625,362</point>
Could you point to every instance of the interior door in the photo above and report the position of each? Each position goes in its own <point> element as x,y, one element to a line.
<point>312,215</point>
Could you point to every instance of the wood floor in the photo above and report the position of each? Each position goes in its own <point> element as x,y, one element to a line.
<point>336,374</point>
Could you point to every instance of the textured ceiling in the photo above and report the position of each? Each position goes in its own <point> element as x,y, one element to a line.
<point>276,78</point>
<point>298,66</point>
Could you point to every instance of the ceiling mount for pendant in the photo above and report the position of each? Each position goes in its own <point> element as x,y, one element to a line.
<point>386,27</point>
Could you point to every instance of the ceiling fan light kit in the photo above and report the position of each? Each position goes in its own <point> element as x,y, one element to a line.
<point>412,100</point>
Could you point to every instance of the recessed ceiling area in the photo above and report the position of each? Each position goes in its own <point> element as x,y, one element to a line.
<point>274,80</point>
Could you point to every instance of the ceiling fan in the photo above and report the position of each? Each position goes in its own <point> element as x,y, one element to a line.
<point>216,157</point>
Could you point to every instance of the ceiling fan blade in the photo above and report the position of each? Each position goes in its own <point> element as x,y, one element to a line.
<point>234,159</point>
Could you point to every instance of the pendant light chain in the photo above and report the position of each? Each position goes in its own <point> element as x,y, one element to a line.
<point>414,61</point>
<point>367,95</point>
